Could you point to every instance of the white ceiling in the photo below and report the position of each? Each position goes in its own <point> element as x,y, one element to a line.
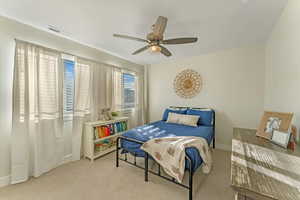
<point>219,24</point>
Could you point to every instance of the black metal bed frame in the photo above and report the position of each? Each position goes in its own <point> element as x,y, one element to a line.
<point>158,173</point>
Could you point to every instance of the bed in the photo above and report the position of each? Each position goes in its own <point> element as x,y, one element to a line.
<point>131,141</point>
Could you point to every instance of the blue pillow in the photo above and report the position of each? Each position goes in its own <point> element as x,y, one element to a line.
<point>206,116</point>
<point>167,111</point>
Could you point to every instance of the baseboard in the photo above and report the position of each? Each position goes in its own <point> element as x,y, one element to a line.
<point>4,181</point>
<point>67,158</point>
<point>224,147</point>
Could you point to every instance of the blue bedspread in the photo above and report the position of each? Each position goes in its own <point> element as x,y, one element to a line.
<point>162,129</point>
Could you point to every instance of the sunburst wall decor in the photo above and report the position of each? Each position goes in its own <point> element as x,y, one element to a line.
<point>188,84</point>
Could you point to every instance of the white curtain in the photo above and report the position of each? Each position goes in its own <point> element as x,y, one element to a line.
<point>92,83</point>
<point>116,88</point>
<point>82,103</point>
<point>141,117</point>
<point>37,136</point>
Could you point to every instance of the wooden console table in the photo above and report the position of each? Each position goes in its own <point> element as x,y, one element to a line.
<point>261,170</point>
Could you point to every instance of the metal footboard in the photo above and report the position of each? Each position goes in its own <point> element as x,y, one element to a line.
<point>146,166</point>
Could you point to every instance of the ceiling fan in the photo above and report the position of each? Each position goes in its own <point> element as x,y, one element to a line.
<point>155,39</point>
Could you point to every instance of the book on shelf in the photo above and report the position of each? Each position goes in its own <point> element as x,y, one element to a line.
<point>109,129</point>
<point>104,145</point>
<point>121,126</point>
<point>115,127</point>
<point>100,132</point>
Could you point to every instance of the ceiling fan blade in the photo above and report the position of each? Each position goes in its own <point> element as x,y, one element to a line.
<point>130,37</point>
<point>180,41</point>
<point>141,49</point>
<point>165,51</point>
<point>160,26</point>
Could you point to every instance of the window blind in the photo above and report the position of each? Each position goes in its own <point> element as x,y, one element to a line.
<point>129,90</point>
<point>69,74</point>
<point>38,85</point>
<point>125,90</point>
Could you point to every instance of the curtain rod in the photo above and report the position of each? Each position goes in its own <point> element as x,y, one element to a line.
<point>63,52</point>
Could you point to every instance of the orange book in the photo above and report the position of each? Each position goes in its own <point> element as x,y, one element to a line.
<point>99,131</point>
<point>103,131</point>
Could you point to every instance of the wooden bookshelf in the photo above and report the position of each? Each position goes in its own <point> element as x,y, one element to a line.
<point>100,141</point>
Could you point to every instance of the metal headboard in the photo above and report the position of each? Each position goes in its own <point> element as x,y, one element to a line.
<point>187,107</point>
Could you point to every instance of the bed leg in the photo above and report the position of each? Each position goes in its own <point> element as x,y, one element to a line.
<point>159,169</point>
<point>214,142</point>
<point>117,153</point>
<point>134,159</point>
<point>191,184</point>
<point>146,167</point>
<point>191,173</point>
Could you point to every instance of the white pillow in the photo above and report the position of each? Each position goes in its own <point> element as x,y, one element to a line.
<point>173,118</point>
<point>189,120</point>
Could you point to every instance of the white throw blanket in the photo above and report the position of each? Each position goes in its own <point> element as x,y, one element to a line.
<point>169,152</point>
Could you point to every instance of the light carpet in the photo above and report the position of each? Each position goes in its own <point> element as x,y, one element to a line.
<point>101,180</point>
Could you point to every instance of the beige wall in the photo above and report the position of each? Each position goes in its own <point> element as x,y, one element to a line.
<point>10,30</point>
<point>233,85</point>
<point>283,63</point>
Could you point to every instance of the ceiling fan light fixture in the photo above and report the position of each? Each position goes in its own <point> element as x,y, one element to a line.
<point>156,38</point>
<point>155,48</point>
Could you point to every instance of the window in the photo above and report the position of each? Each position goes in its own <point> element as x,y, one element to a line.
<point>37,91</point>
<point>129,90</point>
<point>69,74</point>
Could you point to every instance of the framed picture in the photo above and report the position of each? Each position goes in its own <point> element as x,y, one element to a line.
<point>281,138</point>
<point>272,121</point>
